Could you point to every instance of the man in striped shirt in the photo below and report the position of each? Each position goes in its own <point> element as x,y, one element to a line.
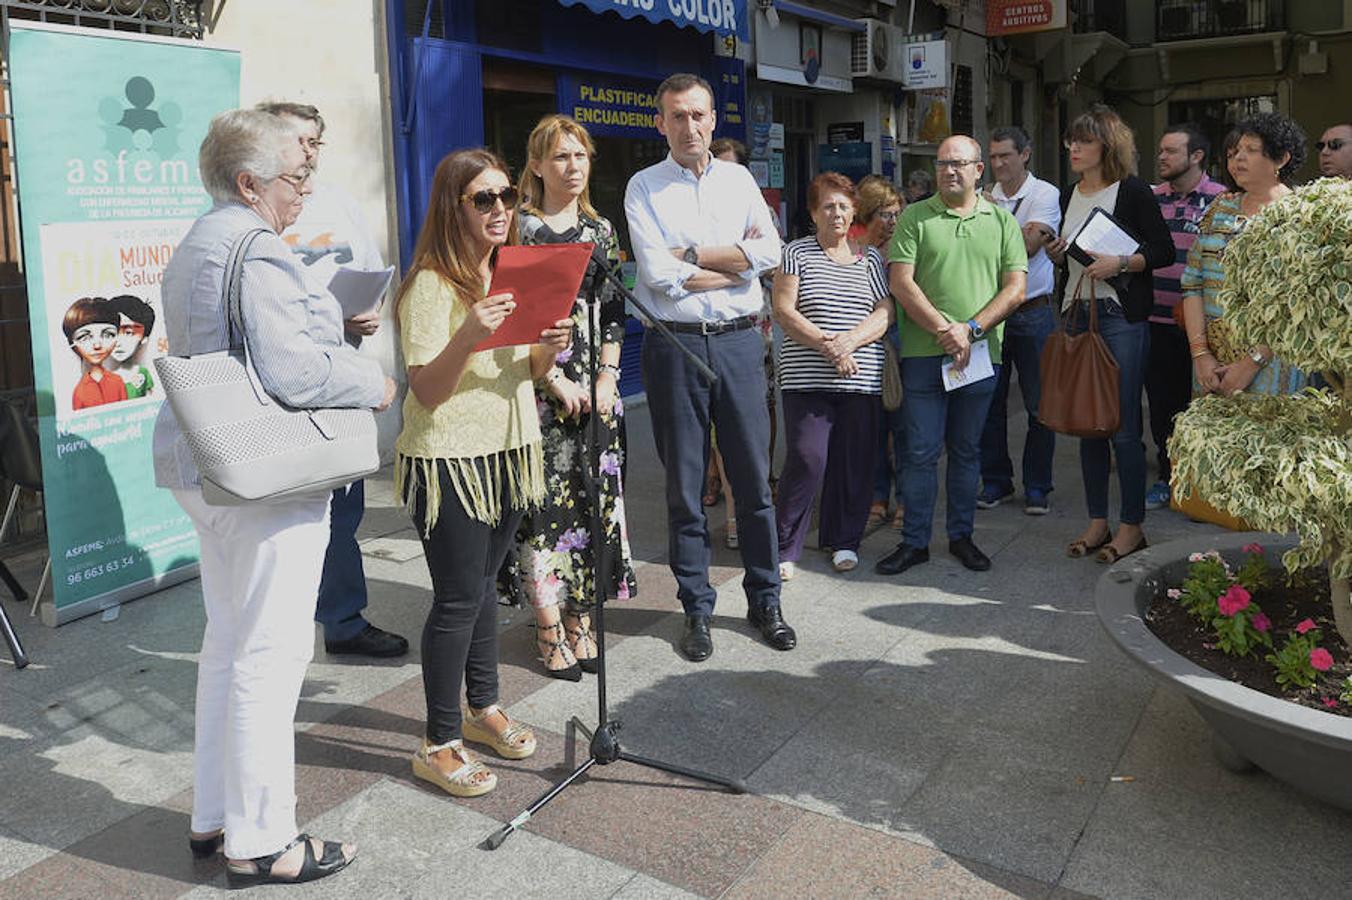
<point>1184,193</point>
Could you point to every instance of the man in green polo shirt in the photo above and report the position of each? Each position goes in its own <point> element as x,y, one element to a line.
<point>959,267</point>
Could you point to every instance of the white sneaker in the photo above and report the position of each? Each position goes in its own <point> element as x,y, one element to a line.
<point>787,570</point>
<point>844,560</point>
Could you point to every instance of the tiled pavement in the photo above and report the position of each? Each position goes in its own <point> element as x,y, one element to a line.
<point>942,734</point>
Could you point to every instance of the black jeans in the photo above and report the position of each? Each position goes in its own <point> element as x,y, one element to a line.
<point>1168,384</point>
<point>460,638</point>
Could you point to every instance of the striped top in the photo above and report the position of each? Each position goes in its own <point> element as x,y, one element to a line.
<point>1182,213</point>
<point>835,298</point>
<point>1205,276</point>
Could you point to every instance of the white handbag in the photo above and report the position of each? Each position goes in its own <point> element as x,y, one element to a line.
<point>249,448</point>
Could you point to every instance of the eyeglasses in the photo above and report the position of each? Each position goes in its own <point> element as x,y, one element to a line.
<point>1078,142</point>
<point>297,181</point>
<point>1335,145</point>
<point>888,217</point>
<point>485,200</point>
<point>954,164</point>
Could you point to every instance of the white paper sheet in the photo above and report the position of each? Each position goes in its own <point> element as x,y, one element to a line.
<point>978,368</point>
<point>1101,234</point>
<point>360,291</point>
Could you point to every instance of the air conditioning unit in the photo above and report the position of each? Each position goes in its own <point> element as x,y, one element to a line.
<point>873,51</point>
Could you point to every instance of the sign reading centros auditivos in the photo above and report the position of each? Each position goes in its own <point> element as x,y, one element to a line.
<point>107,130</point>
<point>1020,16</point>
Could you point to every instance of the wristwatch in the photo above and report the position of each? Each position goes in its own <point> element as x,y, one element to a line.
<point>691,255</point>
<point>977,331</point>
<point>1258,358</point>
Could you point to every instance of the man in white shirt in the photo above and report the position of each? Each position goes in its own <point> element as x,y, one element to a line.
<point>331,233</point>
<point>702,234</point>
<point>1035,205</point>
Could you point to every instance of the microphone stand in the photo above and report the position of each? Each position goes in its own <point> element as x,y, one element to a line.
<point>604,747</point>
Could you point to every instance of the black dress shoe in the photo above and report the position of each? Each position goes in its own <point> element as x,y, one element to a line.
<point>968,554</point>
<point>901,559</point>
<point>372,641</point>
<point>773,628</point>
<point>697,644</point>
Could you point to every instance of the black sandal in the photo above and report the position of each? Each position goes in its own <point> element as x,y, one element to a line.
<point>590,664</point>
<point>208,846</point>
<point>310,870</point>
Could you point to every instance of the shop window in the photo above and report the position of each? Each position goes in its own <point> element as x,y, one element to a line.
<point>512,26</point>
<point>962,101</point>
<point>1216,117</point>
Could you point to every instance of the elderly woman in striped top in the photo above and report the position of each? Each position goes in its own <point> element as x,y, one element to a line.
<point>831,299</point>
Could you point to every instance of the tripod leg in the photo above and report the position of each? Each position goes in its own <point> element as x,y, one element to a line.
<point>20,595</point>
<point>735,785</point>
<point>12,639</point>
<point>494,840</point>
<point>570,740</point>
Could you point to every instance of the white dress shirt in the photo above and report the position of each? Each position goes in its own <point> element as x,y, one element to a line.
<point>1035,201</point>
<point>669,207</point>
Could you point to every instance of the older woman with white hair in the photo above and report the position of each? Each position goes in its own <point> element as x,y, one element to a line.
<point>260,563</point>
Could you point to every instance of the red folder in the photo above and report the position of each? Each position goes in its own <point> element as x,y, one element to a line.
<point>544,279</point>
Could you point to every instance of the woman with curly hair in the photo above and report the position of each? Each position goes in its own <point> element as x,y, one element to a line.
<point>1103,153</point>
<point>1263,153</point>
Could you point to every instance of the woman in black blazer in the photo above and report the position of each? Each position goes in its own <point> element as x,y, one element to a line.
<point>1103,153</point>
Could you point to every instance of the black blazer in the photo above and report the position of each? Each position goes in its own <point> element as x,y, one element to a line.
<point>1139,212</point>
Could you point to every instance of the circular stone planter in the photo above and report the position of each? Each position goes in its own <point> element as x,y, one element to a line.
<point>1308,749</point>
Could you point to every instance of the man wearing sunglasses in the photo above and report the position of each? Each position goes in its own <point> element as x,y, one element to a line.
<point>329,234</point>
<point>702,234</point>
<point>1335,152</point>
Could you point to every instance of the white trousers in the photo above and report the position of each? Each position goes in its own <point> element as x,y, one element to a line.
<point>260,580</point>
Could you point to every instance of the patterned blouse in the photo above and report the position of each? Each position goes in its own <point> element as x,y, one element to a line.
<point>1205,276</point>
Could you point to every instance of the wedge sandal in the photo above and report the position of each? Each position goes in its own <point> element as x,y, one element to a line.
<point>517,741</point>
<point>460,783</point>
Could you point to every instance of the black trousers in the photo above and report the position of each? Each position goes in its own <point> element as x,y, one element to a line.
<point>460,637</point>
<point>1168,385</point>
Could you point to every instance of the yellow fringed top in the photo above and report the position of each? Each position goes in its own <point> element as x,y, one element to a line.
<point>486,434</point>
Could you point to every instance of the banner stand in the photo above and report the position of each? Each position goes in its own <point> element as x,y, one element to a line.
<point>107,127</point>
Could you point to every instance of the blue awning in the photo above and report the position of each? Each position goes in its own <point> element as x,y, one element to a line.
<point>817,15</point>
<point>720,16</point>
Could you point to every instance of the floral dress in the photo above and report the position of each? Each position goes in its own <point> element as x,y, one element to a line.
<point>554,556</point>
<point>1205,275</point>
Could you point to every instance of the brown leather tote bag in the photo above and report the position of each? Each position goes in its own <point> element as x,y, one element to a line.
<point>1080,378</point>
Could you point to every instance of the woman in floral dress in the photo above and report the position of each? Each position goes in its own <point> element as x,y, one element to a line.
<point>554,565</point>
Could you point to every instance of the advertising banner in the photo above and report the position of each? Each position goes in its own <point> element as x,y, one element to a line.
<point>106,136</point>
<point>610,107</point>
<point>1020,16</point>
<point>719,16</point>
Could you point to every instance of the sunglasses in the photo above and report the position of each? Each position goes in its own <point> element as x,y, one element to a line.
<point>485,200</point>
<point>1335,145</point>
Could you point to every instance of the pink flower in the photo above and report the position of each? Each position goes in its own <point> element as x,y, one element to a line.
<point>1330,702</point>
<point>1321,659</point>
<point>1261,622</point>
<point>1174,594</point>
<point>1195,557</point>
<point>1304,625</point>
<point>1233,600</point>
<point>1253,548</point>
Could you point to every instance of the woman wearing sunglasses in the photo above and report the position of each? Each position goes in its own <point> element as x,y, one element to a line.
<point>468,460</point>
<point>554,567</point>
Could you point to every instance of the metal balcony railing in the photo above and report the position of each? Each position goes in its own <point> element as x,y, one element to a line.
<point>1184,20</point>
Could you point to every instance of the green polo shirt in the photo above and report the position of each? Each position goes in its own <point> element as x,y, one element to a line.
<point>959,262</point>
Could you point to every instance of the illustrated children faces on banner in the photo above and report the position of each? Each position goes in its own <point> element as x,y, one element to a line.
<point>111,338</point>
